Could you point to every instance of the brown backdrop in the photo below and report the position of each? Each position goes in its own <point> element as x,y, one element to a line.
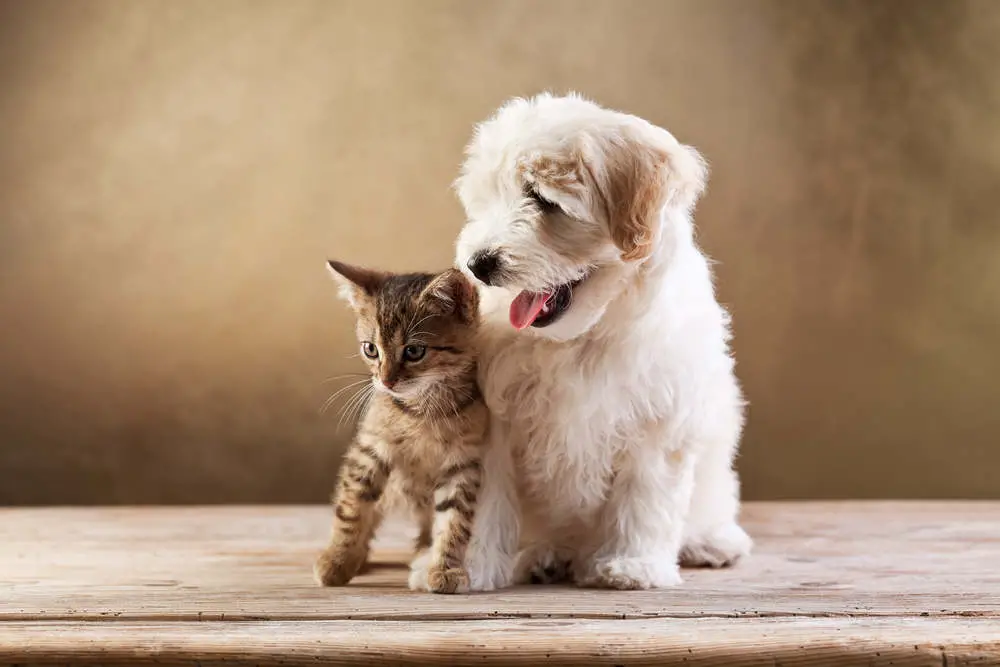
<point>173,174</point>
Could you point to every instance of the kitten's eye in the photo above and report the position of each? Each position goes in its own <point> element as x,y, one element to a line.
<point>543,204</point>
<point>369,350</point>
<point>414,352</point>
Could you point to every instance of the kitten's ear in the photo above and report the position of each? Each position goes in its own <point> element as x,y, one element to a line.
<point>451,293</point>
<point>356,283</point>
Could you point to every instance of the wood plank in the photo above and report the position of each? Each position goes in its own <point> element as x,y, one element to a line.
<point>254,563</point>
<point>786,641</point>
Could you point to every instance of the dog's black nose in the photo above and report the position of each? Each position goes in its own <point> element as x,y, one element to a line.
<point>485,265</point>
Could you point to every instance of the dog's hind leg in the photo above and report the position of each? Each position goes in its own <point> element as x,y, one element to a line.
<point>712,536</point>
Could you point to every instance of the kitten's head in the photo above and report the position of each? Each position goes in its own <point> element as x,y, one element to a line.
<point>416,330</point>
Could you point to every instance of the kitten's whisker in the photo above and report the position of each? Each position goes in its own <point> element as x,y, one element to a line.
<point>345,375</point>
<point>358,404</point>
<point>333,397</point>
<point>358,396</point>
<point>363,378</point>
<point>346,408</point>
<point>418,333</point>
<point>367,405</point>
<point>411,326</point>
<point>349,386</point>
<point>363,405</point>
<point>359,401</point>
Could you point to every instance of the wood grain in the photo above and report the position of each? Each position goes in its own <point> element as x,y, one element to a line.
<point>706,641</point>
<point>910,583</point>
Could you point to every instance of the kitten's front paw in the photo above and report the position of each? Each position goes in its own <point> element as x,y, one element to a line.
<point>629,574</point>
<point>336,567</point>
<point>447,580</point>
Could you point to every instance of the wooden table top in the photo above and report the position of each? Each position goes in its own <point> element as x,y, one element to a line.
<point>913,583</point>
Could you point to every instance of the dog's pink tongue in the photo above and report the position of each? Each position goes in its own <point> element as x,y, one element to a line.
<point>526,306</point>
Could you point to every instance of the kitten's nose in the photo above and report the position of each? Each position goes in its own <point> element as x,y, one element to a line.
<point>485,265</point>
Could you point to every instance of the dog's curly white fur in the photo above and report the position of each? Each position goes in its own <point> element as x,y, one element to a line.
<point>616,424</point>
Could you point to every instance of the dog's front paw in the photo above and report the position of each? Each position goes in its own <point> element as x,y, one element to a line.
<point>336,567</point>
<point>488,570</point>
<point>447,580</point>
<point>719,547</point>
<point>628,574</point>
<point>419,571</point>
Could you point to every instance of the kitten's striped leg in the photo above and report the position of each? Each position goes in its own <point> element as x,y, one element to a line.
<point>455,498</point>
<point>422,545</point>
<point>363,478</point>
<point>425,520</point>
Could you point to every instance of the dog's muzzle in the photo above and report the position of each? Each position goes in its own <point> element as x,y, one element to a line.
<point>486,266</point>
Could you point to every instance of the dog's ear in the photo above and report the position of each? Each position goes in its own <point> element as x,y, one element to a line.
<point>451,293</point>
<point>357,284</point>
<point>646,171</point>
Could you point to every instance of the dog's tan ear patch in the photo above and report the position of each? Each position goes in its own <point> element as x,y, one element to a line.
<point>641,177</point>
<point>636,189</point>
<point>357,284</point>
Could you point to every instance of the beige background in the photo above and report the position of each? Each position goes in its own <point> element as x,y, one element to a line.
<point>173,174</point>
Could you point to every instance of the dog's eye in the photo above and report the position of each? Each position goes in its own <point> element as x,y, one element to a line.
<point>543,204</point>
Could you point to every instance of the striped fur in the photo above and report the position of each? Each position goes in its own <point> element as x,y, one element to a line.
<point>421,439</point>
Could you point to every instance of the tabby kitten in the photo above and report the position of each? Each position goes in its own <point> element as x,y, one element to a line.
<point>421,437</point>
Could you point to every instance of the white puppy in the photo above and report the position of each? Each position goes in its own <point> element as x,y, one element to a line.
<point>607,368</point>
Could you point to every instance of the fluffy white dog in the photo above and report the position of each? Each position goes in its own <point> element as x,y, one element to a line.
<point>616,413</point>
